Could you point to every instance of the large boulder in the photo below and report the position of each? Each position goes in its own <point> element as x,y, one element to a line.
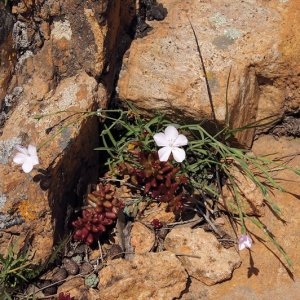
<point>202,255</point>
<point>63,48</point>
<point>148,276</point>
<point>257,40</point>
<point>7,56</point>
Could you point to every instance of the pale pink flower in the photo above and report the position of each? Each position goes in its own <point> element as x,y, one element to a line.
<point>26,157</point>
<point>245,241</point>
<point>170,140</point>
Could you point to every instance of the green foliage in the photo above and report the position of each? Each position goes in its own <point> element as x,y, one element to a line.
<point>271,237</point>
<point>15,270</point>
<point>206,153</point>
<point>209,159</point>
<point>125,128</point>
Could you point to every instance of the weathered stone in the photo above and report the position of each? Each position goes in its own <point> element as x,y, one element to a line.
<point>59,63</point>
<point>262,275</point>
<point>76,288</point>
<point>114,251</point>
<point>95,255</point>
<point>212,263</point>
<point>250,198</point>
<point>36,202</point>
<point>157,211</point>
<point>148,276</point>
<point>142,238</point>
<point>7,59</point>
<point>59,275</point>
<point>163,71</point>
<point>71,266</point>
<point>86,268</point>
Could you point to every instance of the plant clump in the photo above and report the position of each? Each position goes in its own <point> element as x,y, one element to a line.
<point>101,213</point>
<point>161,181</point>
<point>15,270</point>
<point>183,165</point>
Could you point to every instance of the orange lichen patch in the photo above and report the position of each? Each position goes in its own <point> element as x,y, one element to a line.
<point>28,210</point>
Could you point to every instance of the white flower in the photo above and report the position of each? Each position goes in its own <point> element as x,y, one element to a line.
<point>26,157</point>
<point>170,141</point>
<point>245,241</point>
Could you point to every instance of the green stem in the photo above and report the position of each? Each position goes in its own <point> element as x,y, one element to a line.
<point>18,268</point>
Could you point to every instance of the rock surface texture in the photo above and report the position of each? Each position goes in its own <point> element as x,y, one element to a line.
<point>211,262</point>
<point>262,274</point>
<point>62,49</point>
<point>64,55</point>
<point>78,290</point>
<point>256,40</point>
<point>148,276</point>
<point>142,238</point>
<point>251,198</point>
<point>7,55</point>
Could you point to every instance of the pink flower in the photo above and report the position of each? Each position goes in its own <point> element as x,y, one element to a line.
<point>170,140</point>
<point>26,157</point>
<point>245,242</point>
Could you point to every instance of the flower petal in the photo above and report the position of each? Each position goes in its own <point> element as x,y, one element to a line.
<point>19,158</point>
<point>171,133</point>
<point>32,150</point>
<point>160,139</point>
<point>241,246</point>
<point>245,241</point>
<point>164,153</point>
<point>22,149</point>
<point>34,160</point>
<point>27,165</point>
<point>178,154</point>
<point>180,141</point>
<point>248,242</point>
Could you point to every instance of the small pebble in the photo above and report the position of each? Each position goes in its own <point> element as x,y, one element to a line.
<point>81,249</point>
<point>86,268</point>
<point>71,266</point>
<point>48,290</point>
<point>61,274</point>
<point>115,251</point>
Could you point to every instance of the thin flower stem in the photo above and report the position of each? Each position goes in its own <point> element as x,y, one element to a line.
<point>199,210</point>
<point>63,128</point>
<point>19,268</point>
<point>181,223</point>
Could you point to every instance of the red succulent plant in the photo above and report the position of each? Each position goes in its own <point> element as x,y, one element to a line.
<point>95,219</point>
<point>162,181</point>
<point>63,296</point>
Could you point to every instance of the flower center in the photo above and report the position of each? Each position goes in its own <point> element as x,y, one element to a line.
<point>171,142</point>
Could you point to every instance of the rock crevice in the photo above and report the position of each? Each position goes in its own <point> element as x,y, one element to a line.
<point>60,55</point>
